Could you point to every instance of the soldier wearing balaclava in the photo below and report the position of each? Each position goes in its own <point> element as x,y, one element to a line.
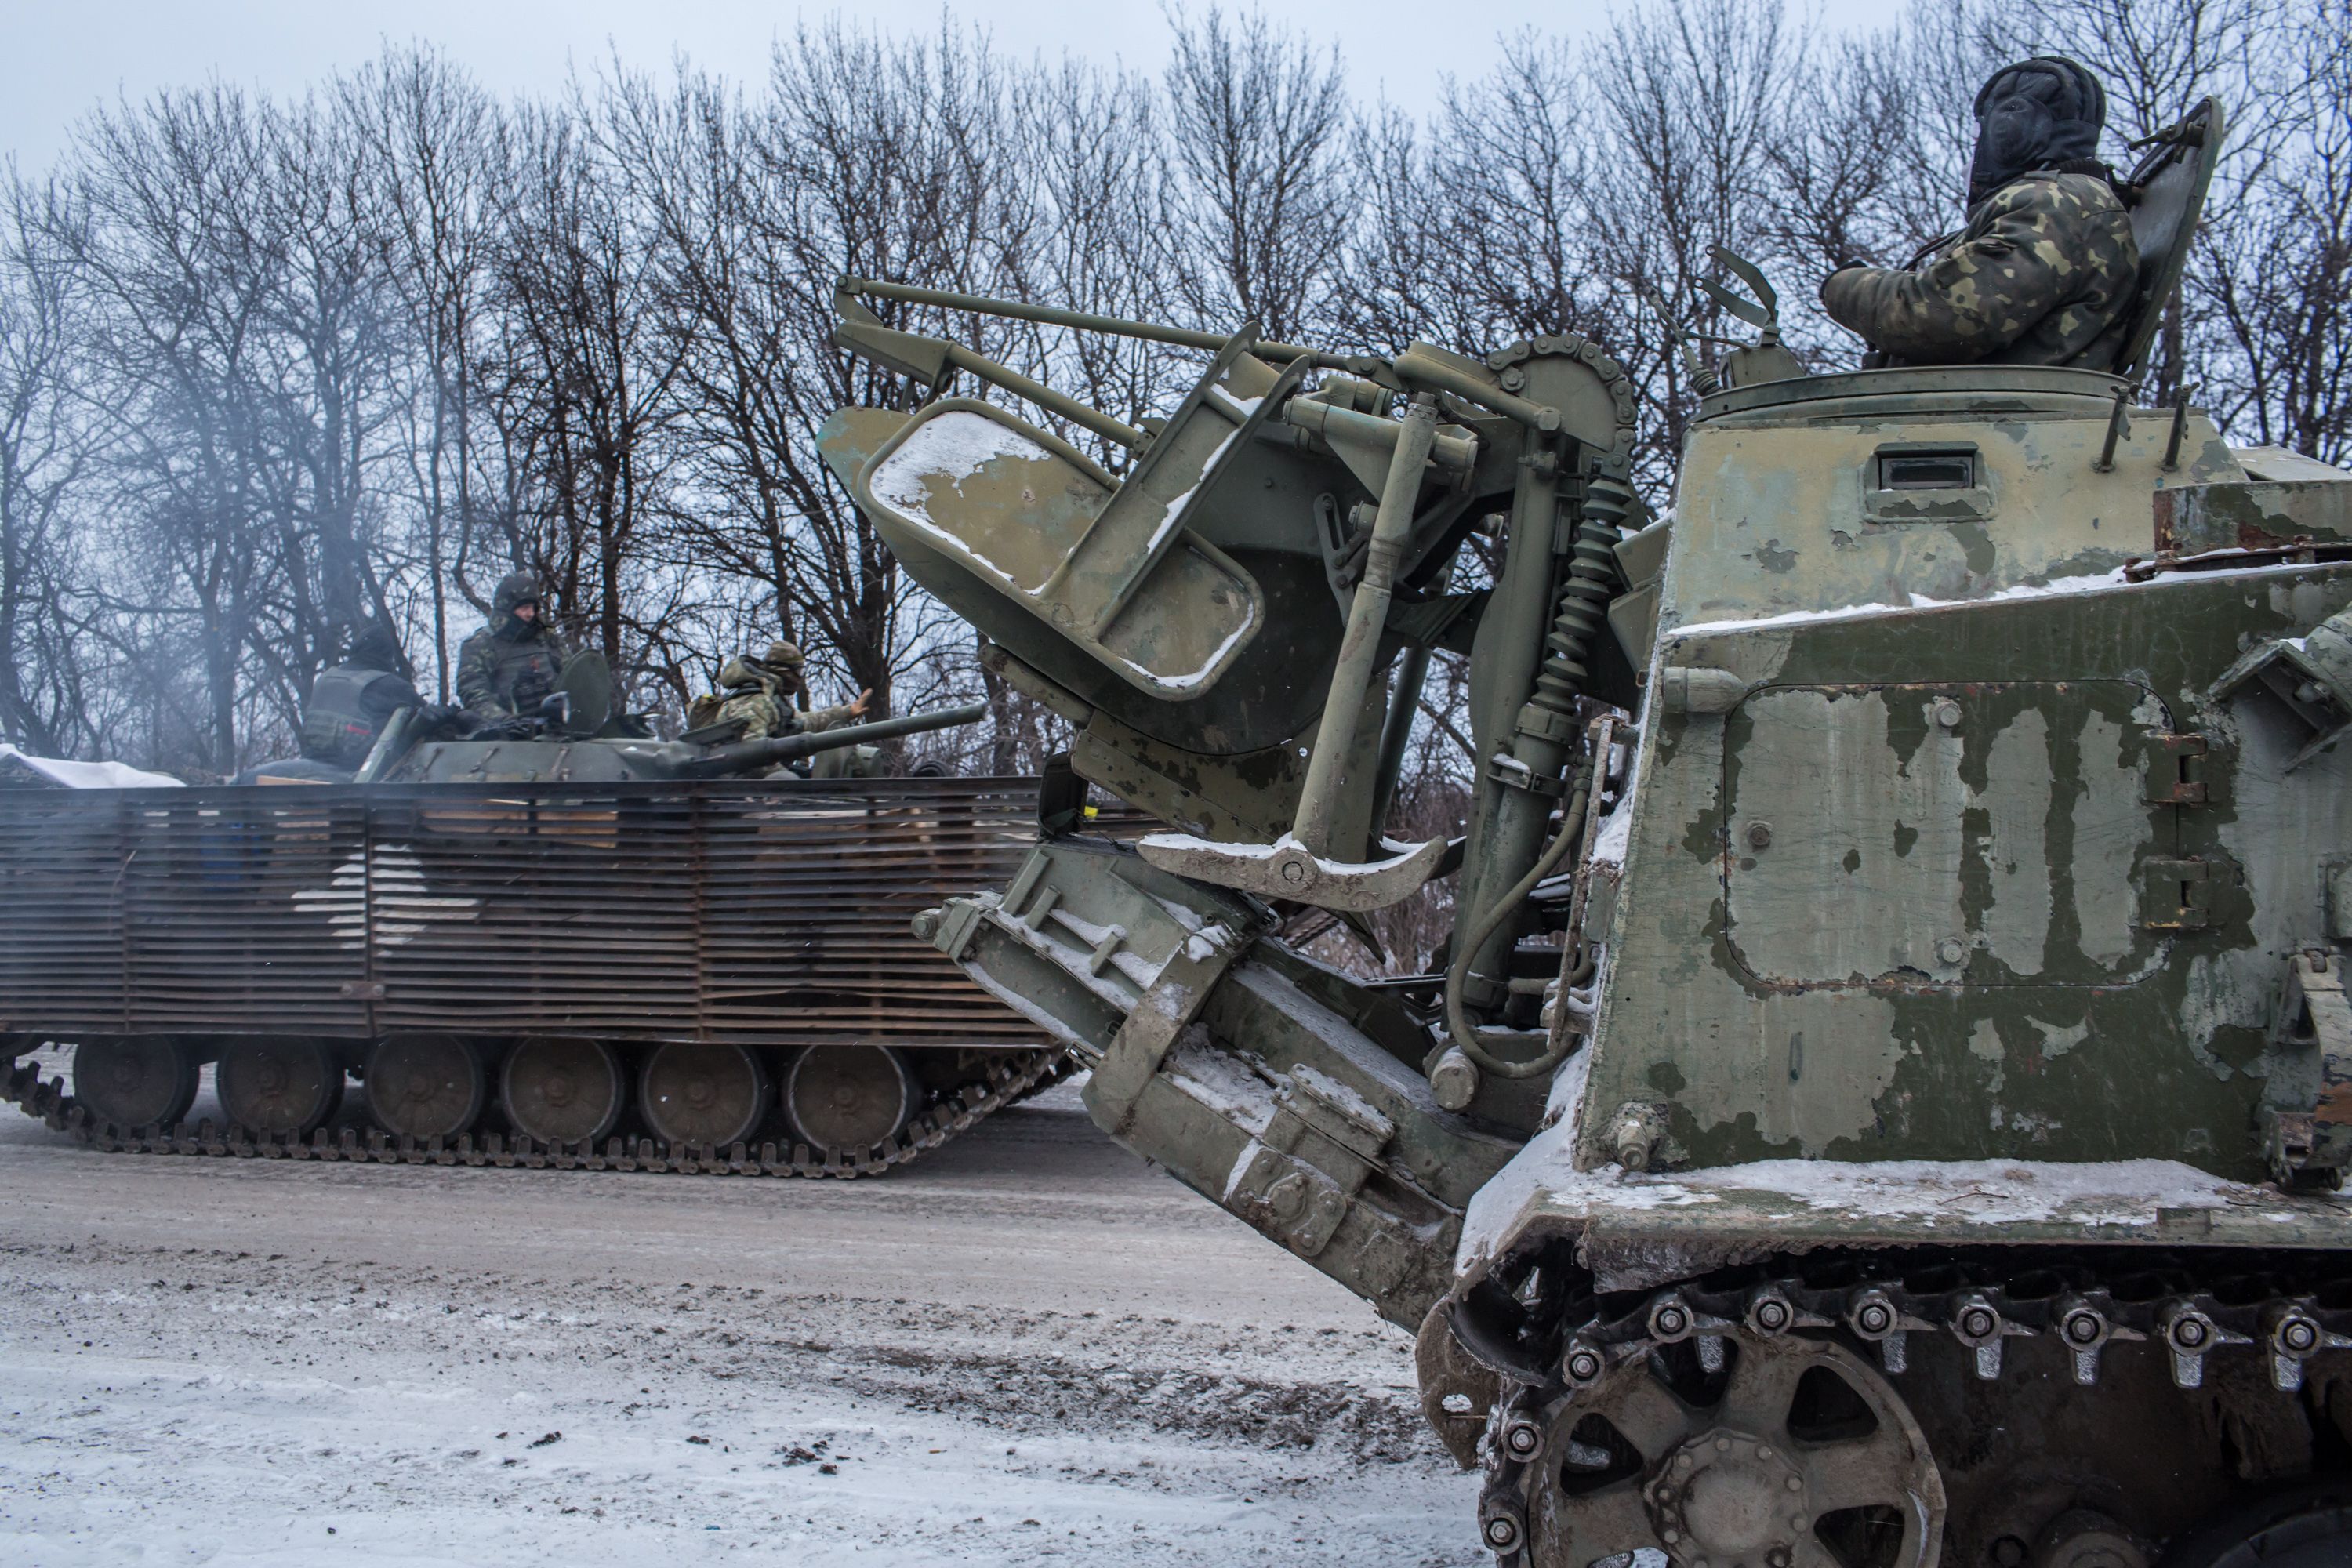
<point>2045,270</point>
<point>506,669</point>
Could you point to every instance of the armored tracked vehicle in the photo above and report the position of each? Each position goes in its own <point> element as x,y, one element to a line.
<point>558,943</point>
<point>1882,1103</point>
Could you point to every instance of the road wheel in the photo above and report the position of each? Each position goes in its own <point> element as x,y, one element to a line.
<point>848,1098</point>
<point>708,1094</point>
<point>145,1082</point>
<point>562,1091</point>
<point>279,1086</point>
<point>426,1086</point>
<point>2309,1527</point>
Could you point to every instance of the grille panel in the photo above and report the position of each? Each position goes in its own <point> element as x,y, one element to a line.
<point>764,914</point>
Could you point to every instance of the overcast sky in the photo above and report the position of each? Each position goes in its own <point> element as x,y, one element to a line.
<point>60,57</point>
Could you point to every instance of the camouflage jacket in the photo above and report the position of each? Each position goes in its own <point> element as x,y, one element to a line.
<point>502,677</point>
<point>762,701</point>
<point>2044,274</point>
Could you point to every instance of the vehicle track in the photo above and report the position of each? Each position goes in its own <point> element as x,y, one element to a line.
<point>1007,1078</point>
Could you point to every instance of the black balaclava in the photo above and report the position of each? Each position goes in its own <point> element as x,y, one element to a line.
<point>2043,113</point>
<point>376,648</point>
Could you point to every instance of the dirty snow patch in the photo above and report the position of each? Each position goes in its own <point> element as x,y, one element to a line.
<point>1185,843</point>
<point>2057,587</point>
<point>942,453</point>
<point>1222,1082</point>
<point>1926,1195</point>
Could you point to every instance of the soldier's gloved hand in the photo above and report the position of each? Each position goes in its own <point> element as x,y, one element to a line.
<point>442,718</point>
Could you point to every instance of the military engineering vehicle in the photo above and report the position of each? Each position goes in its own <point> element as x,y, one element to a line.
<point>1882,1102</point>
<point>557,944</point>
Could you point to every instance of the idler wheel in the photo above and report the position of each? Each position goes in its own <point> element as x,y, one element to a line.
<point>849,1097</point>
<point>562,1091</point>
<point>145,1082</point>
<point>713,1095</point>
<point>279,1086</point>
<point>1795,1454</point>
<point>426,1086</point>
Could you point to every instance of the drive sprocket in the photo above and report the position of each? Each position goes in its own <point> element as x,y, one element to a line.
<point>1731,1452</point>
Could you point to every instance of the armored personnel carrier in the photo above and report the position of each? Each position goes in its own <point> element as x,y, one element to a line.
<point>556,943</point>
<point>1881,1101</point>
<point>578,735</point>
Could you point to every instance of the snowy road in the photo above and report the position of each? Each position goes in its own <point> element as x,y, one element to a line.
<point>1028,1347</point>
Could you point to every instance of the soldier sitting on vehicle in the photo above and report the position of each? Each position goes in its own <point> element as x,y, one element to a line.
<point>2046,270</point>
<point>351,702</point>
<point>509,666</point>
<point>758,693</point>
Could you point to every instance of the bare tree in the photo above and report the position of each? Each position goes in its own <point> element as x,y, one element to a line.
<point>867,157</point>
<point>594,375</point>
<point>47,453</point>
<point>1470,239</point>
<point>267,367</point>
<point>176,291</point>
<point>437,148</point>
<point>1257,124</point>
<point>2273,272</point>
<point>1095,148</point>
<point>1857,177</point>
<point>325,346</point>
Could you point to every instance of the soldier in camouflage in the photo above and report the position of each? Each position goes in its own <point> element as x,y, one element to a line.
<point>2046,270</point>
<point>759,692</point>
<point>509,666</point>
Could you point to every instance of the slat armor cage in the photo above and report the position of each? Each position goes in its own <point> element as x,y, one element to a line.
<point>767,913</point>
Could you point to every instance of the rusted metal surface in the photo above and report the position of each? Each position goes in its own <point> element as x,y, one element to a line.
<point>759,912</point>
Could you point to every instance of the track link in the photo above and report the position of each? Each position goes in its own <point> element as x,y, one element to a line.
<point>2244,1331</point>
<point>1012,1077</point>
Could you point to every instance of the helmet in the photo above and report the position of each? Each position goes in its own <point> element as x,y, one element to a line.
<point>514,588</point>
<point>784,656</point>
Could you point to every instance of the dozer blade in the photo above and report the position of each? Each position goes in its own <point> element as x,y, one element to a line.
<point>1272,1086</point>
<point>1112,567</point>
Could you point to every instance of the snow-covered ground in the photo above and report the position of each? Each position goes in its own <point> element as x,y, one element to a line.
<point>1026,1348</point>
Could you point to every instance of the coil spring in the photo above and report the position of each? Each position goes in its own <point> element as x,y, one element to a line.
<point>1584,595</point>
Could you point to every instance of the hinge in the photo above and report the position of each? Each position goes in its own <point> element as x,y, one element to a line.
<point>2176,769</point>
<point>1302,1176</point>
<point>363,991</point>
<point>2178,894</point>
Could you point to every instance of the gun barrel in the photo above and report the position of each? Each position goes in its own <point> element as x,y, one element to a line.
<point>748,756</point>
<point>390,746</point>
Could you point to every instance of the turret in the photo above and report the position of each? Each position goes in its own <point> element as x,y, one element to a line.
<point>399,758</point>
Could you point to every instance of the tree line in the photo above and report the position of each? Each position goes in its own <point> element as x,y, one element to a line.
<point>273,367</point>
